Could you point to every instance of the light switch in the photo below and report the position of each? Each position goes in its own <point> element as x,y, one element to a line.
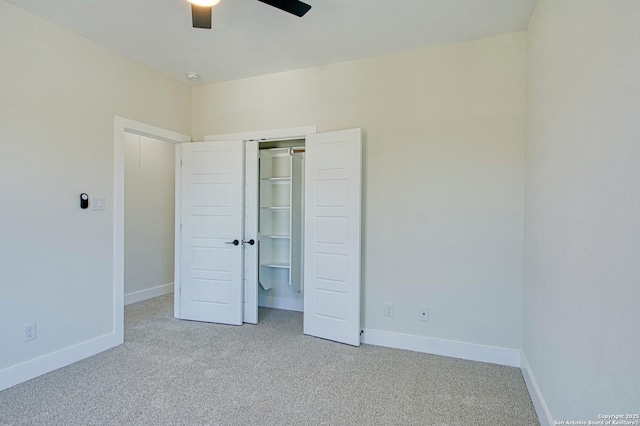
<point>97,202</point>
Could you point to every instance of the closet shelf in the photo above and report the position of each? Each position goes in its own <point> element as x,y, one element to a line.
<point>280,201</point>
<point>281,265</point>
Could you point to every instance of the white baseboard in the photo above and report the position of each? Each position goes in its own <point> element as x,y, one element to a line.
<point>281,303</point>
<point>28,370</point>
<point>544,415</point>
<point>470,351</point>
<point>148,293</point>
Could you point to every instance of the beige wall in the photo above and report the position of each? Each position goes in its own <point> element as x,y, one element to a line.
<point>443,218</point>
<point>443,175</point>
<point>582,223</point>
<point>59,94</point>
<point>149,211</point>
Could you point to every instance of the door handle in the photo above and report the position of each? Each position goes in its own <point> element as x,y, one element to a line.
<point>250,242</point>
<point>234,242</point>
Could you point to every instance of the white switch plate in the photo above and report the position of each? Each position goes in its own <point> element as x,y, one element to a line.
<point>388,309</point>
<point>97,202</point>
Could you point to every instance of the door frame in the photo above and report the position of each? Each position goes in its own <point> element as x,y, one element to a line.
<point>120,126</point>
<point>265,135</point>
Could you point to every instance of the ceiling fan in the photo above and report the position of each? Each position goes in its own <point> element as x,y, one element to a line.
<point>201,10</point>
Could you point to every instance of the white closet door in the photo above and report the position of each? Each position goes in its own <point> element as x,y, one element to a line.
<point>251,211</point>
<point>212,218</point>
<point>332,236</point>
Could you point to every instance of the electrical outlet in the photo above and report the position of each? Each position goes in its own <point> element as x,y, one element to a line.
<point>388,309</point>
<point>424,313</point>
<point>30,332</point>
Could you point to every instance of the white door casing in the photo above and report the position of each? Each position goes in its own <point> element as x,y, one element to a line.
<point>212,187</point>
<point>333,180</point>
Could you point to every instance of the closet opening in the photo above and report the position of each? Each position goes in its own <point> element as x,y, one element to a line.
<point>281,224</point>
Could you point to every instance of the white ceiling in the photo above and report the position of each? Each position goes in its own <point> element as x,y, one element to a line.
<point>251,38</point>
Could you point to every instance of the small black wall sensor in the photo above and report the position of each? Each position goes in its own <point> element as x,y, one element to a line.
<point>84,201</point>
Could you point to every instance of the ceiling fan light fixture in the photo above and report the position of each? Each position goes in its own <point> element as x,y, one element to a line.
<point>201,10</point>
<point>204,3</point>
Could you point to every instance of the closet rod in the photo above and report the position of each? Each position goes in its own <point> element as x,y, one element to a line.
<point>291,138</point>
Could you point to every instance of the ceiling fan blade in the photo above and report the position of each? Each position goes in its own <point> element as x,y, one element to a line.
<point>295,7</point>
<point>201,16</point>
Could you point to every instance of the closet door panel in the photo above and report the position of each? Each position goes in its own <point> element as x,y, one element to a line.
<point>211,210</point>
<point>251,185</point>
<point>332,236</point>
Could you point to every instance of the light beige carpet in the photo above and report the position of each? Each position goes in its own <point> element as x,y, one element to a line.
<point>172,372</point>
